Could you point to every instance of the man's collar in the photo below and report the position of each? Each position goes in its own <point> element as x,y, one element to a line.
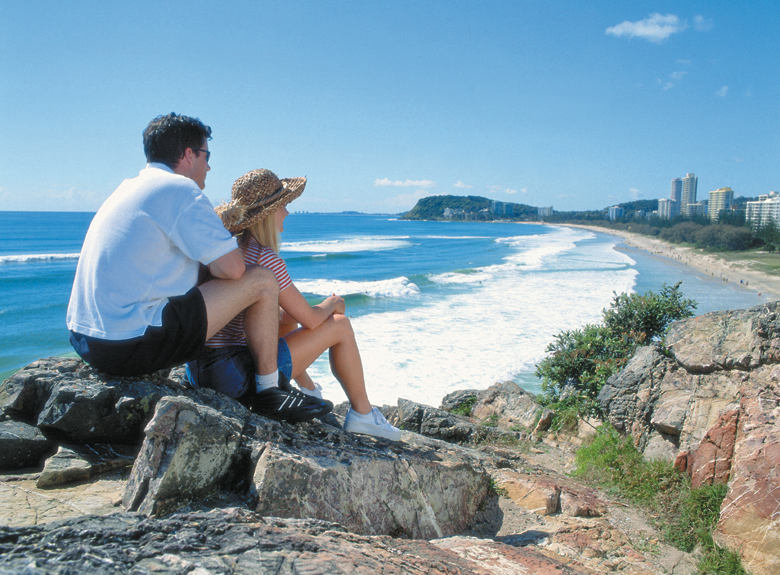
<point>159,166</point>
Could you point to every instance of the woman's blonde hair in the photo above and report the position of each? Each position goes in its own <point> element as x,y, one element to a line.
<point>264,231</point>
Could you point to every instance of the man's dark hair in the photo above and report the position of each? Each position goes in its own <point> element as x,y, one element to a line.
<point>167,137</point>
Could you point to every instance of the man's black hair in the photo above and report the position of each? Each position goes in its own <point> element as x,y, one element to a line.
<point>167,137</point>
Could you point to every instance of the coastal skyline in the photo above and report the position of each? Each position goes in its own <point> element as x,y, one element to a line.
<point>578,107</point>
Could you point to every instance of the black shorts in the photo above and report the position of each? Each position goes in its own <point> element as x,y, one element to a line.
<point>180,339</point>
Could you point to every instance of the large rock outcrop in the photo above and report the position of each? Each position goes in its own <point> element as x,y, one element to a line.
<point>711,403</point>
<point>241,542</point>
<point>470,504</point>
<point>196,446</point>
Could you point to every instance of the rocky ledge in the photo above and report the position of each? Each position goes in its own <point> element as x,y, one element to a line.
<point>112,475</point>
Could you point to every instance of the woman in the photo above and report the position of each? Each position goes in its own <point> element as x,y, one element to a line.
<point>256,216</point>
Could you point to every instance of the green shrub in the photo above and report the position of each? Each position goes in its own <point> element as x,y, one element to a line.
<point>580,361</point>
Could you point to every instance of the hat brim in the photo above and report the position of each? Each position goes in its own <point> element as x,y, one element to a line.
<point>292,188</point>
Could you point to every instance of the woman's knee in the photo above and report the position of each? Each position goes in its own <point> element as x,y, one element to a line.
<point>342,325</point>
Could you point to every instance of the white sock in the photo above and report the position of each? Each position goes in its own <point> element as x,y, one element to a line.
<point>263,382</point>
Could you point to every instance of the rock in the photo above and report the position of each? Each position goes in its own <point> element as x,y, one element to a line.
<point>750,514</point>
<point>538,494</point>
<point>236,541</point>
<point>550,493</point>
<point>509,404</point>
<point>581,501</point>
<point>69,400</point>
<point>712,408</point>
<point>458,398</point>
<point>415,489</point>
<point>545,421</point>
<point>740,339</point>
<point>22,445</point>
<point>82,462</point>
<point>189,452</point>
<point>628,395</point>
<point>710,462</point>
<point>433,422</point>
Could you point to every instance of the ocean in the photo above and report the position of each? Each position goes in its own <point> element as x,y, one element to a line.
<point>436,306</point>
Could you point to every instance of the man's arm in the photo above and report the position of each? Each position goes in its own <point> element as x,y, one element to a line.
<point>229,267</point>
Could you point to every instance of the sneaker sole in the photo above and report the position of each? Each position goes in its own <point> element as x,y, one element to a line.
<point>356,427</point>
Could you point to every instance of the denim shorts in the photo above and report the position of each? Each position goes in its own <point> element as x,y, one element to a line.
<point>230,370</point>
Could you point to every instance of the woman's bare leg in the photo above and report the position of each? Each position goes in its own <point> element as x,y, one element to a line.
<point>336,335</point>
<point>285,327</point>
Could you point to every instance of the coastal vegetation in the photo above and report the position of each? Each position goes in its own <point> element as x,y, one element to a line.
<point>686,516</point>
<point>580,361</point>
<point>473,208</point>
<point>729,233</point>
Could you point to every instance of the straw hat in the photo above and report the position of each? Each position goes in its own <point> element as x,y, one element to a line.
<point>255,195</point>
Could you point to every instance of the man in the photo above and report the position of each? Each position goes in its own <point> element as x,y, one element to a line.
<point>136,307</point>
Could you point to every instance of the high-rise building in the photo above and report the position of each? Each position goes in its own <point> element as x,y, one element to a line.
<point>667,209</point>
<point>698,209</point>
<point>763,211</point>
<point>615,212</point>
<point>676,196</point>
<point>689,185</point>
<point>720,200</point>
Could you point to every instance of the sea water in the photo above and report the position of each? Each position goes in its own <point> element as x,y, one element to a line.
<point>436,306</point>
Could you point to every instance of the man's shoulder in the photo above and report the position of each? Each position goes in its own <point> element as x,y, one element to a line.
<point>161,175</point>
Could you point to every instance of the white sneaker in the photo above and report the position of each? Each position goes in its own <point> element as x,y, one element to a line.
<point>373,423</point>
<point>316,392</point>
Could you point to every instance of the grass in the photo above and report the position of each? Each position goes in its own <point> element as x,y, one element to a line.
<point>765,262</point>
<point>491,421</point>
<point>687,516</point>
<point>465,407</point>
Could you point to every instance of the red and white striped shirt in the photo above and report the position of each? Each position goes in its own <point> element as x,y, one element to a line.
<point>254,254</point>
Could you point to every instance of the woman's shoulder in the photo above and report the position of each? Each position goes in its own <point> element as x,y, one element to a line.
<point>256,253</point>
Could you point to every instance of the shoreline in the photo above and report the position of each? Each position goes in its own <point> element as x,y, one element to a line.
<point>707,264</point>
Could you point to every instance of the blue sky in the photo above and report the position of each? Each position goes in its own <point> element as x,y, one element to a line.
<point>578,105</point>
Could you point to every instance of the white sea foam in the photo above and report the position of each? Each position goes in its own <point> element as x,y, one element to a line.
<point>455,237</point>
<point>498,329</point>
<point>366,244</point>
<point>396,287</point>
<point>36,257</point>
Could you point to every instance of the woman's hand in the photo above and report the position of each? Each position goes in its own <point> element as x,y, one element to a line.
<point>336,303</point>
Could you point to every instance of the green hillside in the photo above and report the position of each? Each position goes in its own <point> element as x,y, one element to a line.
<point>432,208</point>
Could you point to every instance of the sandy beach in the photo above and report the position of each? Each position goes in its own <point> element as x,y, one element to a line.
<point>708,264</point>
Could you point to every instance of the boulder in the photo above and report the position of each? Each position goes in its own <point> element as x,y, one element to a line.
<point>458,398</point>
<point>549,494</point>
<point>433,422</point>
<point>421,489</point>
<point>82,462</point>
<point>189,453</point>
<point>509,404</point>
<point>22,445</point>
<point>740,339</point>
<point>69,400</point>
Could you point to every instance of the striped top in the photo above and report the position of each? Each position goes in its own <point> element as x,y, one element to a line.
<point>254,254</point>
